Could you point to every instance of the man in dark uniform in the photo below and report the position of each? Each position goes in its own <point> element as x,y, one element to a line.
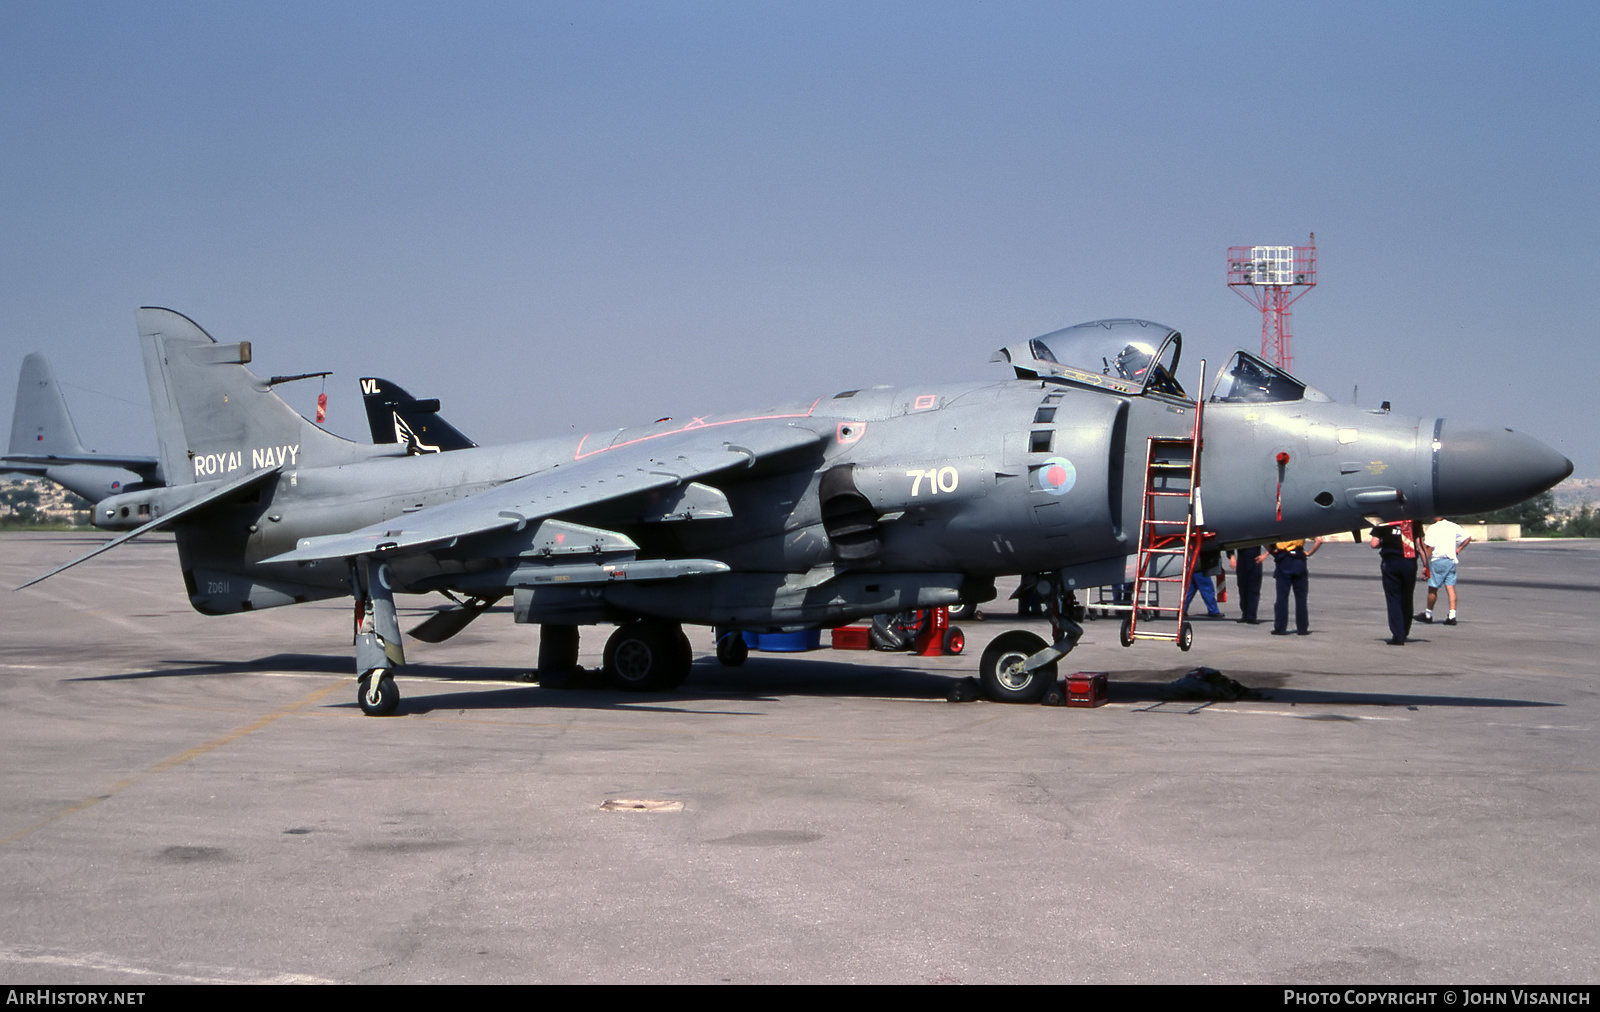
<point>1397,560</point>
<point>1289,566</point>
<point>1247,577</point>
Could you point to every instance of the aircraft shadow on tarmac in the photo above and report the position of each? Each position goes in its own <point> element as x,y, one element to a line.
<point>308,664</point>
<point>1271,691</point>
<point>762,680</point>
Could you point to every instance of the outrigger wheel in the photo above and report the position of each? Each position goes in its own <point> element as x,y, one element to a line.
<point>377,693</point>
<point>1001,672</point>
<point>732,650</point>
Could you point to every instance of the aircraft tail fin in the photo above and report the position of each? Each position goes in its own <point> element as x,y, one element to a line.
<point>397,417</point>
<point>40,422</point>
<point>215,419</point>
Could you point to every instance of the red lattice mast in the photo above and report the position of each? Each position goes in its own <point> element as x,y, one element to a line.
<point>1272,278</point>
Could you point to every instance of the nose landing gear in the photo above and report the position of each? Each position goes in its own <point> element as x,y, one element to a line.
<point>1019,666</point>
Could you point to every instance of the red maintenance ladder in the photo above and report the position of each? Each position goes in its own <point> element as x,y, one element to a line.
<point>1169,536</point>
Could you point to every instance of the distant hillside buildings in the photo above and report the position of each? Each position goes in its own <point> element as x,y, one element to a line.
<point>26,502</point>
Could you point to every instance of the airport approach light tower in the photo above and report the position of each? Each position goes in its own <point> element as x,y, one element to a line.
<point>1267,277</point>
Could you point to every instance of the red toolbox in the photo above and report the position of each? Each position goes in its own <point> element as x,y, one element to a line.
<point>851,637</point>
<point>1086,688</point>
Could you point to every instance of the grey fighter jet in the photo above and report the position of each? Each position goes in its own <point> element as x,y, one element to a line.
<point>863,502</point>
<point>44,442</point>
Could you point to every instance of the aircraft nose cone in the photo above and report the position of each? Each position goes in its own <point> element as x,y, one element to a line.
<point>1480,470</point>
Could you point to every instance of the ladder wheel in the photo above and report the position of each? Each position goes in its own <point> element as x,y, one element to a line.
<point>1126,632</point>
<point>955,640</point>
<point>1186,637</point>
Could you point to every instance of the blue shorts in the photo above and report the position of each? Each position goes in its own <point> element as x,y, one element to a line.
<point>1444,573</point>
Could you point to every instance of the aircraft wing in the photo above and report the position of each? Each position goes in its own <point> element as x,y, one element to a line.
<point>140,465</point>
<point>613,473</point>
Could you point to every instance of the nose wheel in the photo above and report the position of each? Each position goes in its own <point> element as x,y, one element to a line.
<point>1003,674</point>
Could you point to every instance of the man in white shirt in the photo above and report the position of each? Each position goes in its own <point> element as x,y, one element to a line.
<point>1446,540</point>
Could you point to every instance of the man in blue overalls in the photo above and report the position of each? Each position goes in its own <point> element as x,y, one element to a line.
<point>1397,560</point>
<point>1247,577</point>
<point>1289,566</point>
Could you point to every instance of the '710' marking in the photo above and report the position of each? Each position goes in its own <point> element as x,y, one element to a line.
<point>940,479</point>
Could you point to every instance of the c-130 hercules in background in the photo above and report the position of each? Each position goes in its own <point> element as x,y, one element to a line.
<point>811,514</point>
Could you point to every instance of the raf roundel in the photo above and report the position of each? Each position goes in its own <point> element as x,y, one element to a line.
<point>1057,476</point>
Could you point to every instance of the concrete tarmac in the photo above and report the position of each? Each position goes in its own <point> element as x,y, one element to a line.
<point>199,799</point>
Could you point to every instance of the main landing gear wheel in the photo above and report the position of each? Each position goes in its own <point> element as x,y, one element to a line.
<point>1186,637</point>
<point>732,650</point>
<point>1001,672</point>
<point>1125,634</point>
<point>685,658</point>
<point>377,693</point>
<point>558,649</point>
<point>646,656</point>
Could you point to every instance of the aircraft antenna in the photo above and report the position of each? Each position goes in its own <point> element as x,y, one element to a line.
<point>274,381</point>
<point>1273,278</point>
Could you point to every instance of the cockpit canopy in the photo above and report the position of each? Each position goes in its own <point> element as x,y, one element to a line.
<point>1247,379</point>
<point>1128,356</point>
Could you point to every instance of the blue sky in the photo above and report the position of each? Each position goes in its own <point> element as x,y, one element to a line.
<point>576,216</point>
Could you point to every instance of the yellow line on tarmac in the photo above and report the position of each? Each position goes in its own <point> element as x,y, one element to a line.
<point>179,759</point>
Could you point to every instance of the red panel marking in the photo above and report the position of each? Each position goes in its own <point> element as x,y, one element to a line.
<point>924,402</point>
<point>698,423</point>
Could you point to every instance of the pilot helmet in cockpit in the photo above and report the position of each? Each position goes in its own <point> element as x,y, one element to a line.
<point>1132,361</point>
